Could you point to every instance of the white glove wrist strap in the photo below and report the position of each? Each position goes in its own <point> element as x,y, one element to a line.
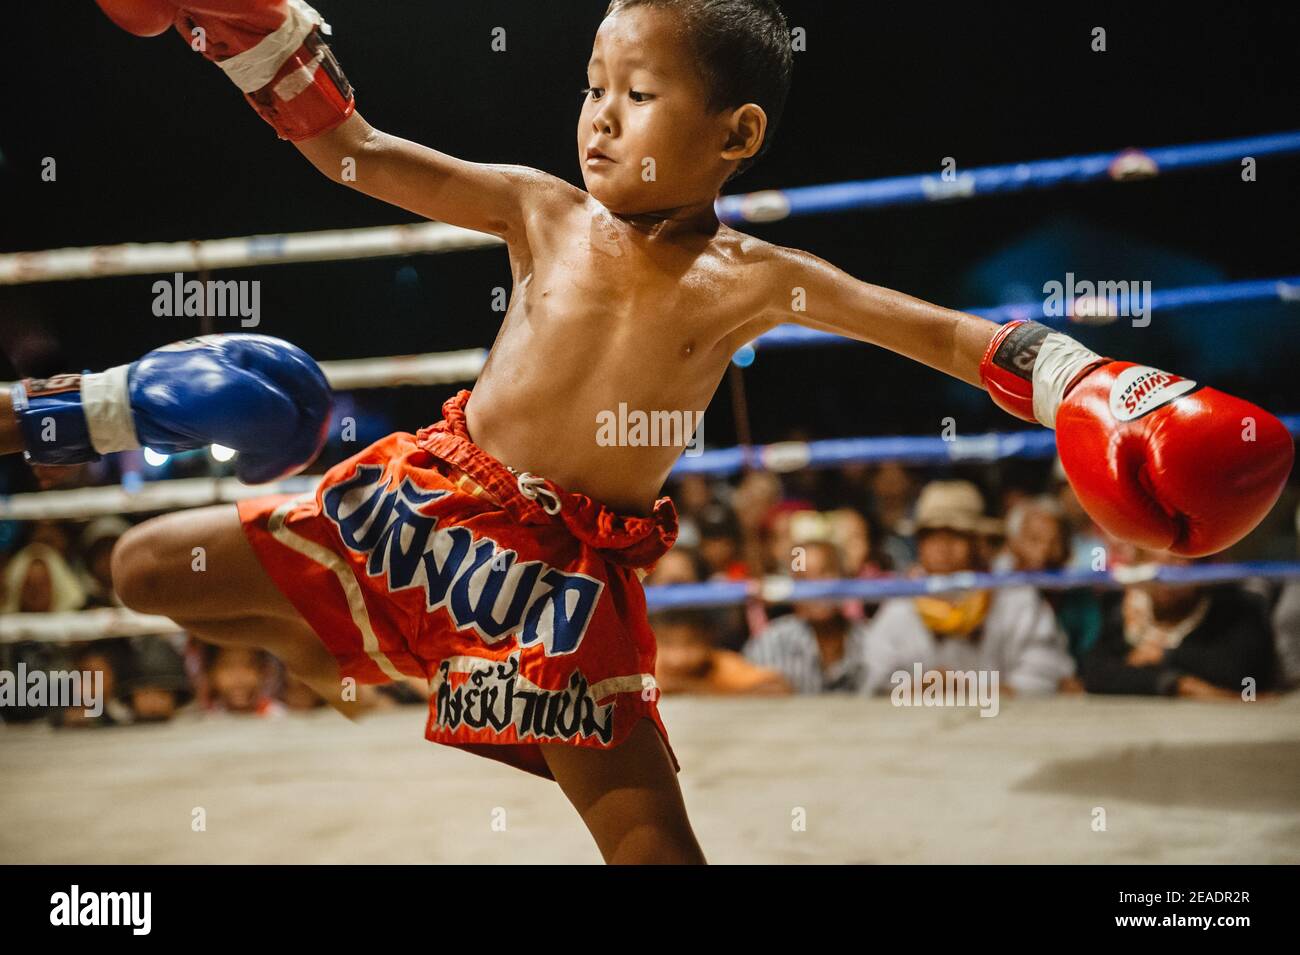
<point>106,402</point>
<point>256,67</point>
<point>1060,359</point>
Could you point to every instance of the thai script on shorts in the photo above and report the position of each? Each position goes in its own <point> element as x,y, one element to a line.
<point>481,584</point>
<point>494,696</point>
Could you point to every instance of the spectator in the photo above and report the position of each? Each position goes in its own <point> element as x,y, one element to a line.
<point>1088,544</point>
<point>681,565</point>
<point>779,535</point>
<point>237,681</point>
<point>720,542</point>
<point>852,533</point>
<point>754,498</point>
<point>684,565</point>
<point>1038,539</point>
<point>1011,630</point>
<point>694,494</point>
<point>893,492</point>
<point>689,661</point>
<point>1286,624</point>
<point>38,580</point>
<point>990,538</point>
<point>53,534</point>
<point>817,649</point>
<point>96,573</point>
<point>106,658</point>
<point>155,684</point>
<point>1182,640</point>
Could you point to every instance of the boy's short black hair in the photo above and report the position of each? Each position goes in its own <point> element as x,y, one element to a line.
<point>742,50</point>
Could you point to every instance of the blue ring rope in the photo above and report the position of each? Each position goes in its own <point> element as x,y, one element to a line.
<point>732,593</point>
<point>962,449</point>
<point>1121,164</point>
<point>1284,289</point>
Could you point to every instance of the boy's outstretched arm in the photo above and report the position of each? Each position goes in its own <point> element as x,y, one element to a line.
<point>1155,458</point>
<point>275,53</point>
<point>810,291</point>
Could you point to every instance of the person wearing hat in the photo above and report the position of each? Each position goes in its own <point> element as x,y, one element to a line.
<point>817,648</point>
<point>155,684</point>
<point>1011,630</point>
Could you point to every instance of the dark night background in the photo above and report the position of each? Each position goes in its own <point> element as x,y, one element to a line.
<point>153,144</point>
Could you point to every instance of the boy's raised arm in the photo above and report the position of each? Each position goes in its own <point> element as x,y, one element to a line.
<point>274,51</point>
<point>479,196</point>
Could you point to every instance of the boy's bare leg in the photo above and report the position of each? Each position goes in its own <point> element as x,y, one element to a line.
<point>231,602</point>
<point>629,798</point>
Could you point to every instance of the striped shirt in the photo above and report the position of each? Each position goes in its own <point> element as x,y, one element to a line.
<point>789,646</point>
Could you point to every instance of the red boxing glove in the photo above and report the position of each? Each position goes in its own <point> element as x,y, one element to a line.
<point>141,17</point>
<point>1156,459</point>
<point>271,49</point>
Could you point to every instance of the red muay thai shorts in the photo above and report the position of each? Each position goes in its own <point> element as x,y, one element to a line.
<point>520,603</point>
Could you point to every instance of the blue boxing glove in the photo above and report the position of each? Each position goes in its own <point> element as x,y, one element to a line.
<point>261,396</point>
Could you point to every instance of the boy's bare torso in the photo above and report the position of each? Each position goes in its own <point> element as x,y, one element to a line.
<point>605,313</point>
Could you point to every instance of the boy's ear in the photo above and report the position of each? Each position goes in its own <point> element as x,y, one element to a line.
<point>746,128</point>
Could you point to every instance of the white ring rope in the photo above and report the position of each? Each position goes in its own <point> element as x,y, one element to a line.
<point>431,368</point>
<point>136,258</point>
<point>75,626</point>
<point>179,494</point>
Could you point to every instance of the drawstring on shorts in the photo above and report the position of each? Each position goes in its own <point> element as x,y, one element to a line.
<point>534,488</point>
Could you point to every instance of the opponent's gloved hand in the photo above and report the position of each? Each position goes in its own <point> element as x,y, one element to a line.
<point>1156,459</point>
<point>259,395</point>
<point>271,49</point>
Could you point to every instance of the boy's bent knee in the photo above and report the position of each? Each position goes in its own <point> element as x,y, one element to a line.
<point>140,569</point>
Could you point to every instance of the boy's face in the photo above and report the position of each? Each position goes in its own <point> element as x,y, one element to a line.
<point>646,114</point>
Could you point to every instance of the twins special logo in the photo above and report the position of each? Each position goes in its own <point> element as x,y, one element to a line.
<point>1141,389</point>
<point>479,584</point>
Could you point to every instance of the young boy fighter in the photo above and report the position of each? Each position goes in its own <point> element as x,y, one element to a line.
<point>497,552</point>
